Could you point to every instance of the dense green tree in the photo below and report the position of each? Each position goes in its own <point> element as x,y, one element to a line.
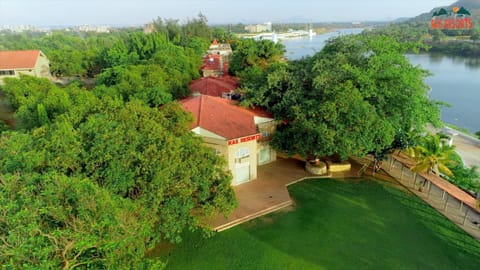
<point>171,28</point>
<point>135,160</point>
<point>144,82</point>
<point>196,28</point>
<point>438,35</point>
<point>67,53</point>
<point>151,156</point>
<point>355,96</point>
<point>182,34</point>
<point>465,178</point>
<point>223,34</point>
<point>35,101</point>
<point>252,53</point>
<point>51,221</point>
<point>119,55</point>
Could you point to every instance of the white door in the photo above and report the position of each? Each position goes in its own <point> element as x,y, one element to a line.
<point>242,173</point>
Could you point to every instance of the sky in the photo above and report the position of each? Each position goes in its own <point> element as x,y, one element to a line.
<point>138,12</point>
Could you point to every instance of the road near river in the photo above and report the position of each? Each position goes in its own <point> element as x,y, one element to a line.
<point>467,147</point>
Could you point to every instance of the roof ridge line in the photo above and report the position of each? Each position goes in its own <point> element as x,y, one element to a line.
<point>200,110</point>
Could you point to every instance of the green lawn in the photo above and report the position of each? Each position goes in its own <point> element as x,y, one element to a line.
<point>336,225</point>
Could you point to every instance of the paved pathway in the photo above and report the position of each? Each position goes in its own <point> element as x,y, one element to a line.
<point>263,195</point>
<point>268,192</point>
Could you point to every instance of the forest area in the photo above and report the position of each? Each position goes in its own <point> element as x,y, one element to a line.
<point>94,178</point>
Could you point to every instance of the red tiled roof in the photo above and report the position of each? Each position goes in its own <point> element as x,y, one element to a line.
<point>225,68</point>
<point>230,79</point>
<point>18,59</point>
<point>214,86</point>
<point>211,62</point>
<point>220,116</point>
<point>260,112</point>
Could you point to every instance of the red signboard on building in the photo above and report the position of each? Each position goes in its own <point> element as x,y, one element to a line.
<point>245,139</point>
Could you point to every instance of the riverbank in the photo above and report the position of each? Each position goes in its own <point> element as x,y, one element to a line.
<point>464,48</point>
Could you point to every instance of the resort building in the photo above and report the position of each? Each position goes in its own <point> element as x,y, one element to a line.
<point>215,62</point>
<point>223,49</point>
<point>30,62</point>
<point>240,135</point>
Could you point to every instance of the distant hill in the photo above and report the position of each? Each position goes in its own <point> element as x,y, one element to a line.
<point>402,19</point>
<point>471,5</point>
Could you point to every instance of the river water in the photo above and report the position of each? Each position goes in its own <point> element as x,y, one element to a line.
<point>455,80</point>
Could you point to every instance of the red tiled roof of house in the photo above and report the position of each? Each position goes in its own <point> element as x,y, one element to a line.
<point>229,79</point>
<point>213,86</point>
<point>225,68</point>
<point>260,112</point>
<point>220,116</point>
<point>211,62</point>
<point>18,59</point>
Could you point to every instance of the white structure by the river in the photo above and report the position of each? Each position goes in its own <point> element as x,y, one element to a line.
<point>288,35</point>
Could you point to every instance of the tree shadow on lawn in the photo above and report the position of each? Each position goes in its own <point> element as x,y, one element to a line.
<point>364,225</point>
<point>336,225</point>
<point>438,224</point>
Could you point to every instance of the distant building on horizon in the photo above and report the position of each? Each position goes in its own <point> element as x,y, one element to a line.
<point>28,62</point>
<point>258,28</point>
<point>148,28</point>
<point>91,28</point>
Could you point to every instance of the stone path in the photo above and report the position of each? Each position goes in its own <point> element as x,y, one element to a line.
<point>268,193</point>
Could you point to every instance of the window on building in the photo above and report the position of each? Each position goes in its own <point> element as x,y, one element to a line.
<point>7,72</point>
<point>264,155</point>
<point>265,134</point>
<point>242,154</point>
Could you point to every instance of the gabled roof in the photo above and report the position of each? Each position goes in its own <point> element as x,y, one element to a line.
<point>220,116</point>
<point>214,86</point>
<point>18,59</point>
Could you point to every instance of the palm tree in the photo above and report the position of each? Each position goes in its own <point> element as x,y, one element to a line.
<point>432,155</point>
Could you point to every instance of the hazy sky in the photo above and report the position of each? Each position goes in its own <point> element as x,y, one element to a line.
<point>136,12</point>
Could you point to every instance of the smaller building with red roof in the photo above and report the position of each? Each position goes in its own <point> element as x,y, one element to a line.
<point>28,62</point>
<point>241,135</point>
<point>215,62</point>
<point>223,49</point>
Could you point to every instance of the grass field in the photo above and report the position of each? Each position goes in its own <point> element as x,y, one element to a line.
<point>336,225</point>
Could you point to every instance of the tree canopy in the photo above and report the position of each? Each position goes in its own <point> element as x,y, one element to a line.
<point>95,178</point>
<point>91,179</point>
<point>249,53</point>
<point>355,96</point>
<point>432,155</point>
